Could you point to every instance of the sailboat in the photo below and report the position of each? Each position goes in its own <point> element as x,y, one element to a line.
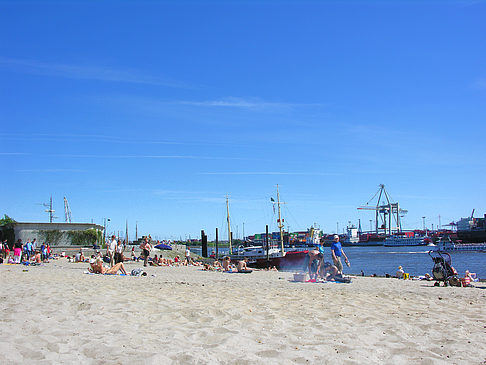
<point>268,254</point>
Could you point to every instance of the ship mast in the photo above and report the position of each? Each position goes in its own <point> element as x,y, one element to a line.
<point>280,225</point>
<point>229,226</point>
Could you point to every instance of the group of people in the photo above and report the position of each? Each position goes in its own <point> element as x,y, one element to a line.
<point>318,268</point>
<point>25,252</point>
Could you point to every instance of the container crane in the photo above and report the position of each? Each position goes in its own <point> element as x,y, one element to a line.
<point>387,212</point>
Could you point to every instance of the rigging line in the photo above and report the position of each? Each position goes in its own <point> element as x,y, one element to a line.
<point>373,197</point>
<point>287,210</point>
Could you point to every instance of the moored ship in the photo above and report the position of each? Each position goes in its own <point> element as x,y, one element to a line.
<point>406,240</point>
<point>449,245</point>
<point>472,230</point>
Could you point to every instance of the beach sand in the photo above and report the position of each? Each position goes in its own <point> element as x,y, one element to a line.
<point>55,313</point>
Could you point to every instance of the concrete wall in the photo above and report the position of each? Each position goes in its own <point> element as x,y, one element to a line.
<point>29,231</point>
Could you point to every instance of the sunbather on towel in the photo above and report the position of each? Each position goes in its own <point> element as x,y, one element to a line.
<point>242,266</point>
<point>98,268</point>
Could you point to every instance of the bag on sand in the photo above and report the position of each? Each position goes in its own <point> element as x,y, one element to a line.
<point>138,272</point>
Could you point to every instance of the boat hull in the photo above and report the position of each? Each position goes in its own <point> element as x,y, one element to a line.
<point>292,260</point>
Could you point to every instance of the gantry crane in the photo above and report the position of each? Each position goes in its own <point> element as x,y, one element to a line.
<point>387,213</point>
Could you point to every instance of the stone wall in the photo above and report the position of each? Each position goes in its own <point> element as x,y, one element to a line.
<point>29,231</point>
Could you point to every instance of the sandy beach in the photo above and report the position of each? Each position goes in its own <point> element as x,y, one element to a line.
<point>55,313</point>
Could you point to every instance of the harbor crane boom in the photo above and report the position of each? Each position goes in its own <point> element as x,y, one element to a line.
<point>67,211</point>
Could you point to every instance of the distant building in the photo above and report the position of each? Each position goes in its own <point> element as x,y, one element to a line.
<point>59,234</point>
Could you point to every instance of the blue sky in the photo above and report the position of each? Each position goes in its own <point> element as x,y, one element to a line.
<point>153,112</point>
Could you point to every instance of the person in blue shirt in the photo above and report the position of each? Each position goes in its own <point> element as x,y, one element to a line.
<point>43,251</point>
<point>336,252</point>
<point>28,250</point>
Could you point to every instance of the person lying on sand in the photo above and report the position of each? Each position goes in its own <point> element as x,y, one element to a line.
<point>98,268</point>
<point>242,266</point>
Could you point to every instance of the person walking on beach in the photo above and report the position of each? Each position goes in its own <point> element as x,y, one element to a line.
<point>146,248</point>
<point>336,252</point>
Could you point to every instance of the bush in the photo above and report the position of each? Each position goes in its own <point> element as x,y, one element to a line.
<point>87,237</point>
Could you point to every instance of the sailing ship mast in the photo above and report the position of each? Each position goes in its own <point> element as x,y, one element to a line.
<point>280,225</point>
<point>229,226</point>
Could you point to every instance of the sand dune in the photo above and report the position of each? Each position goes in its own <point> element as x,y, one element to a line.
<point>56,313</point>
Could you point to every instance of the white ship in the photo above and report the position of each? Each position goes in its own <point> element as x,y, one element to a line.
<point>446,244</point>
<point>399,240</point>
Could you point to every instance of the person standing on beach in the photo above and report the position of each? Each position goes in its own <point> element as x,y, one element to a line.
<point>26,249</point>
<point>146,248</point>
<point>119,252</point>
<point>336,252</point>
<point>110,250</point>
<point>5,249</point>
<point>188,255</point>
<point>17,251</point>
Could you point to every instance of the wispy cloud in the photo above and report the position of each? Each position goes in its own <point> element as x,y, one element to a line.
<point>101,139</point>
<point>175,157</point>
<point>255,104</point>
<point>88,72</point>
<point>269,173</point>
<point>13,153</point>
<point>50,170</point>
<point>242,103</point>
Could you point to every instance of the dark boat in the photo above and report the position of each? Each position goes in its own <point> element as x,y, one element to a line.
<point>472,230</point>
<point>258,258</point>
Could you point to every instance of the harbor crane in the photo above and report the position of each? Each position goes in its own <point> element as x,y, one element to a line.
<point>387,212</point>
<point>67,211</point>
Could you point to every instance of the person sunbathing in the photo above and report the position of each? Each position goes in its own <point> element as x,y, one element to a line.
<point>98,268</point>
<point>37,257</point>
<point>79,257</point>
<point>155,261</point>
<point>226,263</point>
<point>468,278</point>
<point>242,266</point>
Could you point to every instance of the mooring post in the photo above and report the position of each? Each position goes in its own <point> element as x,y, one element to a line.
<point>266,240</point>
<point>217,253</point>
<point>204,242</point>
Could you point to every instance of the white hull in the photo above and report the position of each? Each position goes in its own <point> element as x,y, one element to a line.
<point>404,241</point>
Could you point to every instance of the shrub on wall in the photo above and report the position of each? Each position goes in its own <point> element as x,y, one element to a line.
<point>52,236</point>
<point>86,237</point>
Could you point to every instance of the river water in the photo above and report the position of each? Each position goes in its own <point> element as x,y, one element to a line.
<point>385,260</point>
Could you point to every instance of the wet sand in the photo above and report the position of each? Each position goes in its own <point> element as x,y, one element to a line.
<point>56,313</point>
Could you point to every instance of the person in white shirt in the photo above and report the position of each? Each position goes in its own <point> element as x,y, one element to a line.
<point>120,247</point>
<point>188,255</point>
<point>111,250</point>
